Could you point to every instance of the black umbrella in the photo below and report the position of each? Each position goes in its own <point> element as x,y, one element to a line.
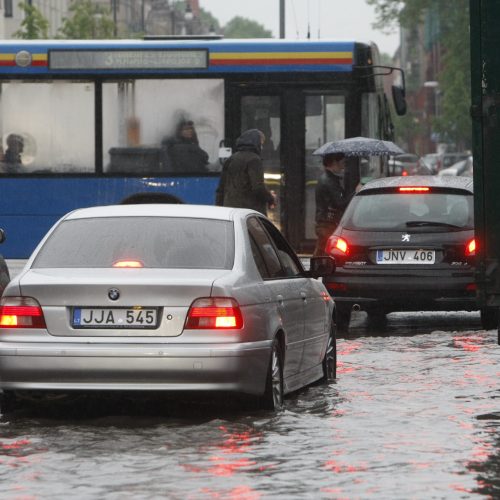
<point>360,146</point>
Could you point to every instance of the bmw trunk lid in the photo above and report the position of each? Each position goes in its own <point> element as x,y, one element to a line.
<point>117,302</point>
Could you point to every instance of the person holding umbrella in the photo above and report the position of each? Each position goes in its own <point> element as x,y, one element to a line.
<point>331,199</point>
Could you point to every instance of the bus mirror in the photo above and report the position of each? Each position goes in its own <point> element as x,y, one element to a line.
<point>225,153</point>
<point>399,99</point>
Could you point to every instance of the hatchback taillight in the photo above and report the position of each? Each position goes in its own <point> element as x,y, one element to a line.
<point>21,312</point>
<point>470,248</point>
<point>219,313</point>
<point>336,243</point>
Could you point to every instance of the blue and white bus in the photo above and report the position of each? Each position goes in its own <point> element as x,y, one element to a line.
<point>93,118</point>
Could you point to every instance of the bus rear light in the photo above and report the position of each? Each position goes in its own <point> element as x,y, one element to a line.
<point>217,313</point>
<point>336,243</point>
<point>21,312</point>
<point>470,248</point>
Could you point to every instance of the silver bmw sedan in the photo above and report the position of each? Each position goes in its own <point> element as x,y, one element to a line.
<point>158,297</point>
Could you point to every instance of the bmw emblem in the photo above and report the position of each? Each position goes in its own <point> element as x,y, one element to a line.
<point>114,293</point>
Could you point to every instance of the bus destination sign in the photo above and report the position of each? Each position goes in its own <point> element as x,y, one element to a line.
<point>127,59</point>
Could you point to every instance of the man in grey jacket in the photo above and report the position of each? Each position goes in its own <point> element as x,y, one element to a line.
<point>242,180</point>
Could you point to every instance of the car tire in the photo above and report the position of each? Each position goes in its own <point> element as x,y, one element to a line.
<point>330,359</point>
<point>8,401</point>
<point>377,319</point>
<point>272,399</point>
<point>342,318</point>
<point>489,318</point>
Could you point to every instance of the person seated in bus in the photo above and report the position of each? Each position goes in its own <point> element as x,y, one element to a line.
<point>184,154</point>
<point>12,156</point>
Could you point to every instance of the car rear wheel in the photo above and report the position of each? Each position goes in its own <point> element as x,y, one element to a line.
<point>489,318</point>
<point>330,359</point>
<point>342,318</point>
<point>272,399</point>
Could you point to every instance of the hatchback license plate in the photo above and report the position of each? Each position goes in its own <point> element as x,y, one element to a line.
<point>96,317</point>
<point>406,256</point>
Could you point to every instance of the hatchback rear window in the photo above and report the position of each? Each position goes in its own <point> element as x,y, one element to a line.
<point>394,211</point>
<point>153,242</point>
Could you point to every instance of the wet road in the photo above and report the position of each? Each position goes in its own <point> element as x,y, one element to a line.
<point>414,413</point>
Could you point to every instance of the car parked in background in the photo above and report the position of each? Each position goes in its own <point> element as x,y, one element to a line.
<point>405,164</point>
<point>406,244</point>
<point>165,297</point>
<point>462,167</point>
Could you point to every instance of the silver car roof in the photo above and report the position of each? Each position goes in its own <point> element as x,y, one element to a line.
<point>161,210</point>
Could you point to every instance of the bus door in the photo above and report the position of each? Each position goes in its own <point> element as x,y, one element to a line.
<point>295,122</point>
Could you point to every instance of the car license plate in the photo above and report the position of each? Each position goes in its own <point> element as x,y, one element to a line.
<point>406,256</point>
<point>97,317</point>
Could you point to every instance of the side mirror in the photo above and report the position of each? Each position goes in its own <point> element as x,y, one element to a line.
<point>2,235</point>
<point>322,266</point>
<point>399,99</point>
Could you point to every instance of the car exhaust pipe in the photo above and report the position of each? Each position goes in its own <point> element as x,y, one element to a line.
<point>356,307</point>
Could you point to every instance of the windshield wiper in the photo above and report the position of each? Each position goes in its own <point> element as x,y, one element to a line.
<point>418,223</point>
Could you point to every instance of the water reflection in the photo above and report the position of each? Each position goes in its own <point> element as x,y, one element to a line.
<point>413,414</point>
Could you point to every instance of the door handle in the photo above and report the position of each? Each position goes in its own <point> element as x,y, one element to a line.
<point>304,296</point>
<point>280,300</point>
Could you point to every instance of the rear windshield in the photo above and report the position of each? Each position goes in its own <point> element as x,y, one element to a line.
<point>156,242</point>
<point>394,211</point>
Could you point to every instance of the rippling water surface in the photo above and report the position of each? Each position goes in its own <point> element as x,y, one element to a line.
<point>414,413</point>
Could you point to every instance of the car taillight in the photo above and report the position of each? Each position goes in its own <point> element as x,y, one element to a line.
<point>470,248</point>
<point>414,189</point>
<point>128,263</point>
<point>219,313</point>
<point>336,243</point>
<point>21,312</point>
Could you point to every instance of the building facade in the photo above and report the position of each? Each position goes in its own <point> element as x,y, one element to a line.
<point>131,17</point>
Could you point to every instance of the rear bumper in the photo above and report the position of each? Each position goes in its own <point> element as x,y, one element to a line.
<point>235,367</point>
<point>437,292</point>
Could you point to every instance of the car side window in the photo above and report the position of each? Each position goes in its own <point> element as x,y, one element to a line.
<point>289,260</point>
<point>263,251</point>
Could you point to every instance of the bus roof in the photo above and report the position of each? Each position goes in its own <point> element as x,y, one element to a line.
<point>70,57</point>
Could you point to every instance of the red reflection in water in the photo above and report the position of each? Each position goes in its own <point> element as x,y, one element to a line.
<point>238,493</point>
<point>469,343</point>
<point>338,467</point>
<point>345,350</point>
<point>230,457</point>
<point>15,446</point>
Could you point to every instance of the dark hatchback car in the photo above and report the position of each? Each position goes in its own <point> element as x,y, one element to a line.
<point>406,244</point>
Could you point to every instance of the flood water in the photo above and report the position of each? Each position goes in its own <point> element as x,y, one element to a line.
<point>414,413</point>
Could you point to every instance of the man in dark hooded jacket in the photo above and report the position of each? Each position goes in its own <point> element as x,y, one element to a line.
<point>242,181</point>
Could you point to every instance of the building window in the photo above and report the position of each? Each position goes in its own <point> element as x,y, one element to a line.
<point>7,5</point>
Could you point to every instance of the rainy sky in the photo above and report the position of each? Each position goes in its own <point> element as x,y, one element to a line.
<point>338,19</point>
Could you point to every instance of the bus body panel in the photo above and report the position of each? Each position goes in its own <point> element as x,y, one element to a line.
<point>21,200</point>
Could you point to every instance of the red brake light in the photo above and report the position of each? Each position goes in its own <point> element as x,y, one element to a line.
<point>336,243</point>
<point>21,312</point>
<point>414,189</point>
<point>219,313</point>
<point>470,248</point>
<point>128,263</point>
<point>405,173</point>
